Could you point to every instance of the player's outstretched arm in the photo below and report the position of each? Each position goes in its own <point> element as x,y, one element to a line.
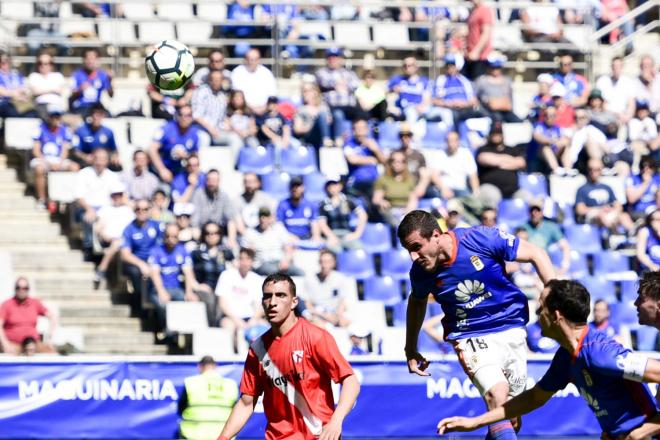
<point>350,388</point>
<point>239,416</point>
<point>519,405</point>
<point>652,371</point>
<point>649,429</point>
<point>414,319</point>
<point>530,253</point>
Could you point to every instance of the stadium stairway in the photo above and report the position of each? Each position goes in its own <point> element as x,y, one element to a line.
<point>61,278</point>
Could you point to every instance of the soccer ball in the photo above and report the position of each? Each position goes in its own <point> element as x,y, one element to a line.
<point>169,65</point>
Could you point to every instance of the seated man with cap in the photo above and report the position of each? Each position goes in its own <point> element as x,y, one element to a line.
<point>299,215</point>
<point>495,92</point>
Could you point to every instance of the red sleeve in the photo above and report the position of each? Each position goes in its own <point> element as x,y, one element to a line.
<point>331,361</point>
<point>250,383</point>
<point>3,311</point>
<point>41,308</point>
<point>486,16</point>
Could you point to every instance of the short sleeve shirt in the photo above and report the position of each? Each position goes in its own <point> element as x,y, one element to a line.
<point>140,240</point>
<point>20,318</point>
<point>98,81</point>
<point>87,139</point>
<point>298,218</point>
<point>52,141</point>
<point>170,264</point>
<point>595,194</point>
<point>171,139</point>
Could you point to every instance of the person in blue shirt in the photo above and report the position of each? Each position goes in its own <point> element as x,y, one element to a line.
<point>537,343</point>
<point>138,239</point>
<point>363,156</point>
<point>172,275</point>
<point>89,83</point>
<point>609,377</point>
<point>298,215</point>
<point>412,90</point>
<point>185,183</point>
<point>92,134</point>
<point>549,145</point>
<point>648,242</point>
<point>13,89</point>
<point>602,322</point>
<point>173,144</point>
<point>274,129</point>
<point>485,313</point>
<point>641,188</point>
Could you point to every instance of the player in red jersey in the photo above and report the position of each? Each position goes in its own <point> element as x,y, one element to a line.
<point>292,365</point>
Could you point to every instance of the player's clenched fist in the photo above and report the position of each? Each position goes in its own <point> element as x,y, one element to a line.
<point>417,364</point>
<point>452,424</point>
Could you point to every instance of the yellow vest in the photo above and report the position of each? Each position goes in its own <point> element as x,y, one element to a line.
<point>210,401</point>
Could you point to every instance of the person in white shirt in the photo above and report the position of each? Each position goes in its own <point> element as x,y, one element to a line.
<point>247,204</point>
<point>255,80</point>
<point>458,169</point>
<point>618,91</point>
<point>46,85</point>
<point>648,83</point>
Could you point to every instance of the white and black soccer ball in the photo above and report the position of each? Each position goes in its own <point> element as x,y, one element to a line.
<point>169,65</point>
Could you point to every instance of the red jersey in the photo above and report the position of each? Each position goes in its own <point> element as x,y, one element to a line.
<point>293,372</point>
<point>20,318</point>
<point>479,17</point>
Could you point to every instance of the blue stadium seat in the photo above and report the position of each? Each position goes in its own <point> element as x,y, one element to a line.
<point>256,160</point>
<point>384,289</point>
<point>578,266</point>
<point>536,184</point>
<point>396,263</point>
<point>609,262</point>
<point>584,238</point>
<point>435,135</point>
<point>599,288</point>
<point>512,213</point>
<point>356,263</point>
<point>298,160</point>
<point>629,290</point>
<point>388,135</point>
<point>430,204</point>
<point>276,184</point>
<point>569,214</point>
<point>314,186</point>
<point>623,313</point>
<point>377,237</point>
<point>399,311</point>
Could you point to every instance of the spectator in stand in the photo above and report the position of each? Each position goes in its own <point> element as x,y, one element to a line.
<point>240,122</point>
<point>90,82</point>
<point>489,217</point>
<point>601,321</point>
<point>458,170</point>
<point>213,204</point>
<point>92,134</point>
<point>543,98</point>
<point>545,233</point>
<point>433,327</point>
<point>288,20</point>
<point>495,92</point>
<point>102,10</point>
<point>336,214</point>
<point>28,347</point>
<point>595,202</point>
<point>612,10</point>
<point>565,118</point>
<point>548,146</point>
<point>160,208</point>
<point>140,182</point>
<point>187,182</point>
<point>428,180</point>
<point>479,39</point>
<point>216,62</point>
<point>50,152</point>
<point>412,91</point>
<point>328,293</point>
<point>165,103</point>
<point>452,216</point>
<point>338,85</point>
<point>239,295</point>
<point>173,144</point>
<point>311,123</point>
<point>47,32</point>
<point>18,320</point>
<point>577,86</point>
<point>241,11</point>
<point>647,84</point>
<point>209,106</point>
<point>14,94</point>
<point>618,91</point>
<point>524,275</point>
<point>112,222</point>
<point>139,238</point>
<point>273,246</point>
<point>210,259</point>
<point>172,276</point>
<point>642,129</point>
<point>615,154</point>
<point>537,343</point>
<point>255,80</point>
<point>648,242</point>
<point>587,141</point>
<point>498,167</point>
<point>188,234</point>
<point>542,24</point>
<point>46,85</point>
<point>395,191</point>
<point>453,96</point>
<point>371,97</point>
<point>274,128</point>
<point>93,185</point>
<point>248,203</point>
<point>363,156</point>
<point>641,189</point>
<point>298,215</point>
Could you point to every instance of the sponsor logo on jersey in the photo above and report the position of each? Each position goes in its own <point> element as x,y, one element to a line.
<point>476,262</point>
<point>587,378</point>
<point>467,288</point>
<point>297,356</point>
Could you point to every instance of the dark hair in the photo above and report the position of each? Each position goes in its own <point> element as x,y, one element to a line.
<point>97,107</point>
<point>598,301</point>
<point>91,49</point>
<point>247,251</point>
<point>417,220</point>
<point>214,51</point>
<point>29,340</point>
<point>207,360</point>
<point>647,159</point>
<point>328,252</point>
<point>649,217</point>
<point>212,171</point>
<point>202,238</point>
<point>278,277</point>
<point>569,297</point>
<point>138,151</point>
<point>649,285</point>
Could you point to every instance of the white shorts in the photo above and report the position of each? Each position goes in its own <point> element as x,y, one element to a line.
<point>48,162</point>
<point>494,358</point>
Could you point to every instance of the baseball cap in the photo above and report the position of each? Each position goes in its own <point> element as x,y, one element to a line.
<point>596,93</point>
<point>359,330</point>
<point>296,181</point>
<point>496,61</point>
<point>264,211</point>
<point>558,90</point>
<point>332,178</point>
<point>54,110</point>
<point>183,209</point>
<point>545,78</point>
<point>117,188</point>
<point>641,104</point>
<point>455,205</point>
<point>450,58</point>
<point>334,52</point>
<point>273,100</point>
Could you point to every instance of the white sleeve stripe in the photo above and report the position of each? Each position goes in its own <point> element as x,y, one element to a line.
<point>634,366</point>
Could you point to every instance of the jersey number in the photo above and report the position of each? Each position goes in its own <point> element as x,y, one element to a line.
<point>480,344</point>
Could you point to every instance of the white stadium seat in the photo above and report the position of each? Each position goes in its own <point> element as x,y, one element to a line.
<point>219,158</point>
<point>216,342</point>
<point>618,185</point>
<point>392,340</point>
<point>394,35</point>
<point>138,10</point>
<point>352,34</point>
<point>563,188</point>
<point>20,132</point>
<point>143,130</point>
<point>314,29</point>
<point>175,11</point>
<point>78,27</point>
<point>17,9</point>
<point>119,127</point>
<point>507,37</point>
<point>153,31</point>
<point>62,186</point>
<point>116,32</point>
<point>332,161</point>
<point>516,133</point>
<point>368,314</point>
<point>194,32</point>
<point>214,10</point>
<point>578,35</point>
<point>342,338</point>
<point>185,317</point>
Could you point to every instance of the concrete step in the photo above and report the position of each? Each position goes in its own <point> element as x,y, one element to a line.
<point>33,240</point>
<point>76,300</point>
<point>32,228</point>
<point>16,187</point>
<point>126,349</point>
<point>102,323</point>
<point>25,215</point>
<point>35,246</point>
<point>61,266</point>
<point>88,311</point>
<point>24,257</point>
<point>122,339</point>
<point>8,175</point>
<point>19,203</point>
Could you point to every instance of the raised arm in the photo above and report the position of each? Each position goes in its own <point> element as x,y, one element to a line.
<point>530,253</point>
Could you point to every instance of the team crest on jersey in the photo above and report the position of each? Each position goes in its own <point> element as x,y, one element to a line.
<point>476,262</point>
<point>297,356</point>
<point>587,378</point>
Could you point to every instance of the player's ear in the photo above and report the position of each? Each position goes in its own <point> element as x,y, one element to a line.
<point>294,302</point>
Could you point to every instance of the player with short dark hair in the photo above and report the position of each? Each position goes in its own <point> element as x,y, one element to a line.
<point>607,375</point>
<point>648,299</point>
<point>485,312</point>
<point>292,365</point>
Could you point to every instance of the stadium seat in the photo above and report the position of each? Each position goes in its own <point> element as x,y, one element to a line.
<point>143,130</point>
<point>298,160</point>
<point>185,317</point>
<point>119,127</point>
<point>564,188</point>
<point>356,263</point>
<point>536,184</point>
<point>212,341</point>
<point>624,313</point>
<point>579,35</point>
<point>352,34</point>
<point>255,160</point>
<point>431,204</point>
<point>391,35</point>
<point>578,266</point>
<point>516,133</point>
<point>507,37</point>
<point>392,341</point>
<point>435,134</point>
<point>614,266</point>
<point>568,213</point>
<point>276,184</point>
<point>137,11</point>
<point>377,237</point>
<point>196,33</point>
<point>217,11</point>
<point>164,30</point>
<point>384,289</point>
<point>342,338</point>
<point>314,187</point>
<point>369,314</point>
<point>19,132</point>
<point>175,11</point>
<point>584,238</point>
<point>332,161</point>
<point>628,290</point>
<point>116,32</point>
<point>17,9</point>
<point>62,186</point>
<point>388,135</point>
<point>618,185</point>
<point>219,158</point>
<point>599,288</point>
<point>399,311</point>
<point>78,27</point>
<point>396,263</point>
<point>315,30</point>
<point>512,213</point>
